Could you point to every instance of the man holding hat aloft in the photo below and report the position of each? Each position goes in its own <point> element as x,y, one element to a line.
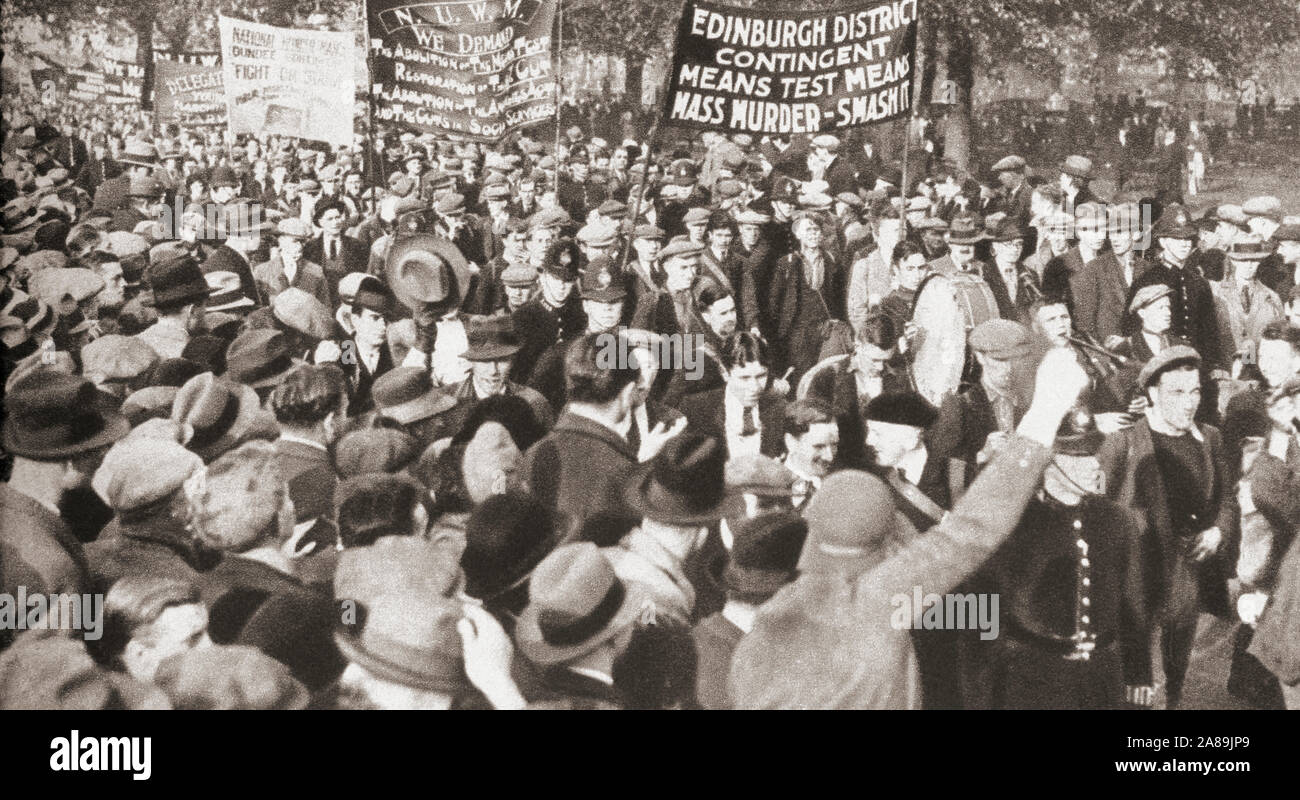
<point>1185,502</point>
<point>1076,629</point>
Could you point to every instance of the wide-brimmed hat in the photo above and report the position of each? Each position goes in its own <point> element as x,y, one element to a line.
<point>140,154</point>
<point>52,416</point>
<point>684,485</point>
<point>1250,248</point>
<point>576,603</point>
<point>491,339</point>
<point>965,229</point>
<point>176,279</point>
<point>259,357</point>
<point>216,414</point>
<point>227,292</point>
<point>407,395</point>
<point>423,268</point>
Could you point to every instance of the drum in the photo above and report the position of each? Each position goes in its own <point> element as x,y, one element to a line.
<point>947,307</point>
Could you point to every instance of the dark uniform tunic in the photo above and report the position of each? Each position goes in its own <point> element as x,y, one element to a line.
<point>1073,612</point>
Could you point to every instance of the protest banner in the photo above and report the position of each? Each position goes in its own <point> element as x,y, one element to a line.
<point>288,81</point>
<point>474,70</point>
<point>207,58</point>
<point>107,81</point>
<point>188,94</point>
<point>773,71</point>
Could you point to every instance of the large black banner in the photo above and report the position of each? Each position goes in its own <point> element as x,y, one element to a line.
<point>473,70</point>
<point>773,71</point>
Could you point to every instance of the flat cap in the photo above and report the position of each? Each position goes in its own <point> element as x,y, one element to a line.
<point>229,678</point>
<point>140,470</point>
<point>647,231</point>
<point>598,235</point>
<point>696,216</point>
<point>679,247</point>
<point>549,218</point>
<point>1012,163</point>
<point>52,285</point>
<point>1000,338</point>
<point>371,450</point>
<point>1148,295</point>
<point>1180,355</point>
<point>292,226</point>
<point>752,217</point>
<point>1264,206</point>
<point>301,311</point>
<point>117,358</point>
<point>760,475</point>
<point>521,274</point>
<point>826,140</point>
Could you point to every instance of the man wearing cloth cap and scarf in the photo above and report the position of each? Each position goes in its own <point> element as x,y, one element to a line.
<point>1072,580</point>
<point>1171,471</point>
<point>832,639</point>
<point>808,290</point>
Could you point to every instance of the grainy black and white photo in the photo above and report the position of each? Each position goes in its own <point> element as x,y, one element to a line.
<point>649,355</point>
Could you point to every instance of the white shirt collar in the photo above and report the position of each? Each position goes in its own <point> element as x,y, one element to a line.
<point>289,437</point>
<point>912,464</point>
<point>735,414</point>
<point>740,614</point>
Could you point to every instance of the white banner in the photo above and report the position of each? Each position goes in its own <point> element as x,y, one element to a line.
<point>288,81</point>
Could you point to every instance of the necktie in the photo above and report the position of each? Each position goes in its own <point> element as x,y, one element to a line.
<point>634,437</point>
<point>334,250</point>
<point>1245,298</point>
<point>747,426</point>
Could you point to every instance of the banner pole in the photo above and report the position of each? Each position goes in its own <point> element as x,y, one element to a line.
<point>651,147</point>
<point>559,80</point>
<point>914,91</point>
<point>372,167</point>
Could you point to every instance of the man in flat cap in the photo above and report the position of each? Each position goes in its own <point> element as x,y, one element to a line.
<point>973,422</point>
<point>1016,193</point>
<point>1184,501</point>
<point>289,267</point>
<point>1248,305</point>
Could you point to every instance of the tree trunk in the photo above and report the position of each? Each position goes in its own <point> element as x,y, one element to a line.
<point>955,46</point>
<point>635,84</point>
<point>143,27</point>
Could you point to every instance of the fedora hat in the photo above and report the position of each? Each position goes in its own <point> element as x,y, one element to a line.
<point>258,358</point>
<point>576,602</point>
<point>492,339</point>
<point>176,279</point>
<point>965,229</point>
<point>423,268</point>
<point>506,537</point>
<point>141,154</point>
<point>227,294</point>
<point>216,414</point>
<point>684,484</point>
<point>52,416</point>
<point>407,395</point>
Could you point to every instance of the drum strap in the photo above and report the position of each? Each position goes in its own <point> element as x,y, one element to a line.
<point>916,497</point>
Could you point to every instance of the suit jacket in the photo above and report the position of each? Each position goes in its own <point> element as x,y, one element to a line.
<point>793,307</point>
<point>361,379</point>
<point>580,468</point>
<point>353,256</point>
<point>1275,489</point>
<point>562,689</point>
<point>716,638</point>
<point>157,545</point>
<point>1026,291</point>
<point>1134,481</point>
<point>270,279</point>
<point>311,478</point>
<point>41,553</point>
<point>226,259</point>
<point>706,412</point>
<point>1239,326</point>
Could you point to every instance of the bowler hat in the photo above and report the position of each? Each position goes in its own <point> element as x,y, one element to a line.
<point>491,339</point>
<point>373,294</point>
<point>506,537</point>
<point>684,484</point>
<point>576,603</point>
<point>52,416</point>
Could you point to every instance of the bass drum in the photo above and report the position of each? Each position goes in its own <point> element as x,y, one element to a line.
<point>947,308</point>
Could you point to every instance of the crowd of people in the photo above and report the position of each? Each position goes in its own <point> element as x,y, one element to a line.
<point>610,423</point>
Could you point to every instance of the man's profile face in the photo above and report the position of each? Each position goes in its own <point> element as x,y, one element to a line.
<point>1157,316</point>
